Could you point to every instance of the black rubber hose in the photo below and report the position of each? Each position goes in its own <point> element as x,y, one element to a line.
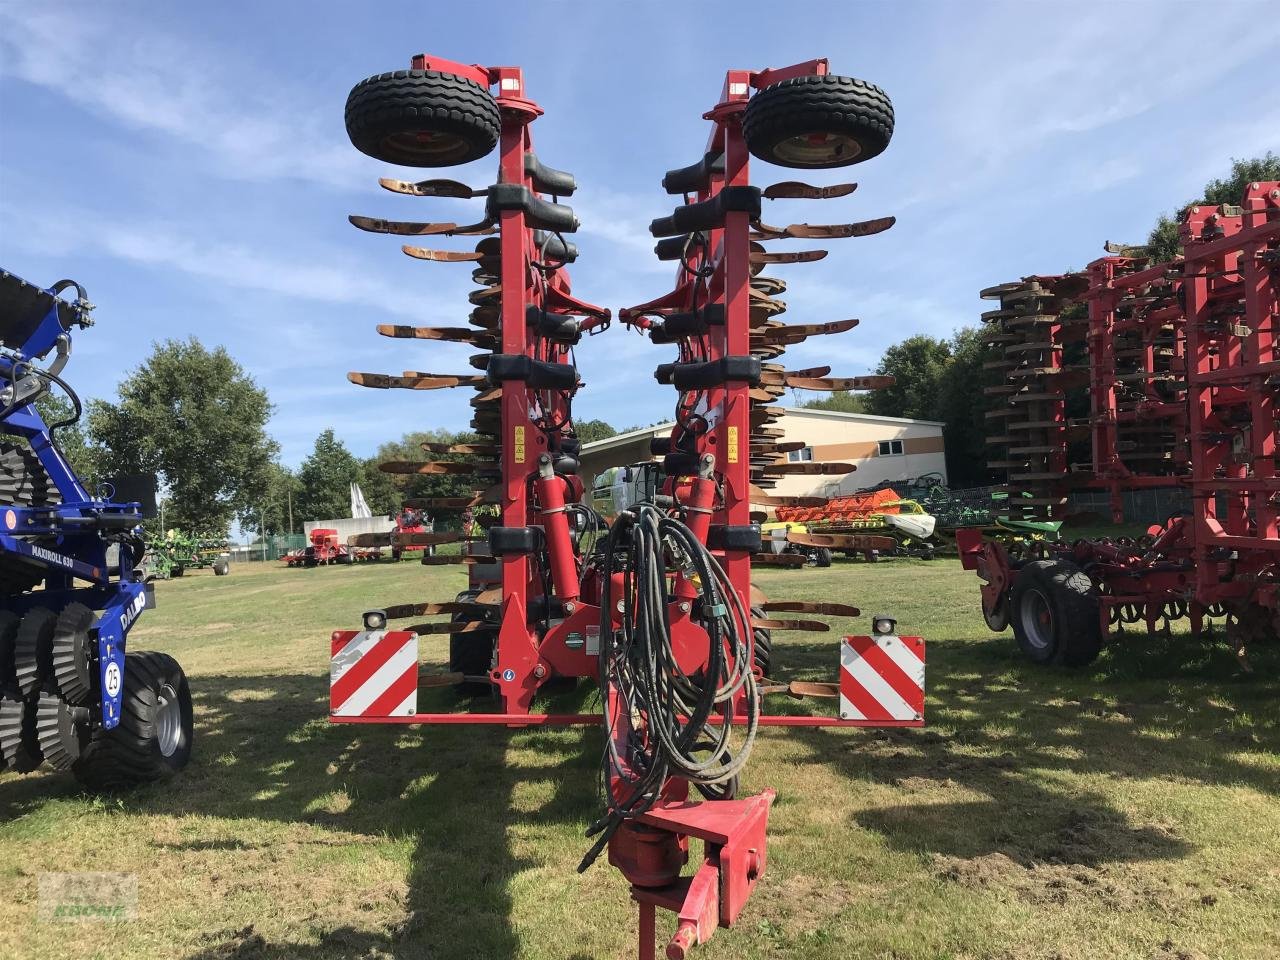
<point>639,668</point>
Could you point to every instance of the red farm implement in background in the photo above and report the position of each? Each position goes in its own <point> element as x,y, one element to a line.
<point>322,549</point>
<point>410,535</point>
<point>1183,376</point>
<point>658,609</point>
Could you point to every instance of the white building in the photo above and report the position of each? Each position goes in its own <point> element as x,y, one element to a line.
<point>880,448</point>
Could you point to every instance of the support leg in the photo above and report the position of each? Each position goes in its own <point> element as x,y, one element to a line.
<point>648,936</point>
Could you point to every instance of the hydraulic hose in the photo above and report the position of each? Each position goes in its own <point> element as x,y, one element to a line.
<point>668,713</point>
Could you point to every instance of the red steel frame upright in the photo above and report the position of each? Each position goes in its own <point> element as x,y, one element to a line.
<point>1231,291</point>
<point>720,277</point>
<point>1123,300</point>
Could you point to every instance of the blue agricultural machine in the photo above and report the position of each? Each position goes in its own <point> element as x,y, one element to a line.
<point>71,585</point>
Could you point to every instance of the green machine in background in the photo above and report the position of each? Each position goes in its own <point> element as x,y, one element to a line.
<point>172,553</point>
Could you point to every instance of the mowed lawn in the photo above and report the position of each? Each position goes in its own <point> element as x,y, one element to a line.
<point>1131,810</point>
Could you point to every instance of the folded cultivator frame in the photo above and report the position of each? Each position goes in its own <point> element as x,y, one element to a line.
<point>658,608</point>
<point>1182,376</point>
<point>71,579</point>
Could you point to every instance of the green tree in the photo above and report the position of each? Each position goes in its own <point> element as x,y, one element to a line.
<point>418,486</point>
<point>962,406</point>
<point>71,439</point>
<point>279,503</point>
<point>917,365</point>
<point>193,418</point>
<point>839,400</point>
<point>589,431</point>
<point>380,490</point>
<point>324,480</point>
<point>1163,242</point>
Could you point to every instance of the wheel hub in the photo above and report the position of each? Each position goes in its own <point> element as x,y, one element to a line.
<point>168,721</point>
<point>1037,619</point>
<point>818,149</point>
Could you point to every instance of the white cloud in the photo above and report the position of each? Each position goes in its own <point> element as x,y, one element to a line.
<point>317,275</point>
<point>165,86</point>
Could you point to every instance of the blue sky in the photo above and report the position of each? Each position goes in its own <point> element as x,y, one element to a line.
<point>188,164</point>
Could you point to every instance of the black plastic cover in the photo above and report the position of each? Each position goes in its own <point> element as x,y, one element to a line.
<point>548,179</point>
<point>565,465</point>
<point>539,213</point>
<point>536,373</point>
<point>709,214</point>
<point>506,540</point>
<point>137,488</point>
<point>681,464</point>
<point>715,373</point>
<point>691,323</point>
<point>721,536</point>
<point>551,247</point>
<point>672,248</point>
<point>694,177</point>
<point>553,326</point>
<point>23,307</point>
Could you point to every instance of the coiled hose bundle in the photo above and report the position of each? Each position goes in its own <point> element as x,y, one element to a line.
<point>658,720</point>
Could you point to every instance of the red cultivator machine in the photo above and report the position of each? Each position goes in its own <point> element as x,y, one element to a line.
<point>660,611</point>
<point>409,535</point>
<point>323,549</point>
<point>1183,377</point>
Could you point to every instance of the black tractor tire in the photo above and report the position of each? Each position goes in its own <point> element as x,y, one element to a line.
<point>821,556</point>
<point>177,570</point>
<point>1054,608</point>
<point>72,669</point>
<point>818,122</point>
<point>422,118</point>
<point>154,737</point>
<point>471,654</point>
<point>763,643</point>
<point>33,649</point>
<point>221,568</point>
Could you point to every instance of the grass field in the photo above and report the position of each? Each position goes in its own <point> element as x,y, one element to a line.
<point>1128,811</point>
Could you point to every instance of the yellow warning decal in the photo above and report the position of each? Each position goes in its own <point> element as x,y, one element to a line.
<point>518,445</point>
<point>733,445</point>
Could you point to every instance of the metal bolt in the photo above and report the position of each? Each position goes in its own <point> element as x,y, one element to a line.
<point>619,606</point>
<point>684,606</point>
<point>539,671</point>
<point>570,606</point>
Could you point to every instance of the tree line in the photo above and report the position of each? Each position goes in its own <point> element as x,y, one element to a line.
<point>194,419</point>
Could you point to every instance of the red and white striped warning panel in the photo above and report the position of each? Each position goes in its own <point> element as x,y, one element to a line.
<point>373,673</point>
<point>882,679</point>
